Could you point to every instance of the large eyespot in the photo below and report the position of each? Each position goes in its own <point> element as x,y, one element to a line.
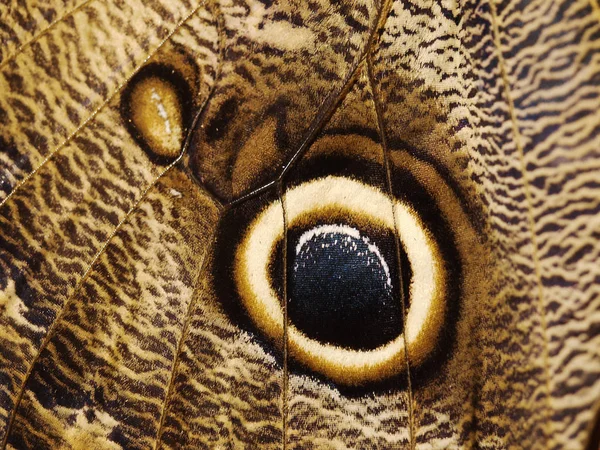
<point>345,317</point>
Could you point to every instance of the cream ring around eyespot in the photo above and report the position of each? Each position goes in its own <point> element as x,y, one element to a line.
<point>346,366</point>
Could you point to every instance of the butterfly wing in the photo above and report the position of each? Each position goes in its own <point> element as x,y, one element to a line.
<point>74,177</point>
<point>148,295</point>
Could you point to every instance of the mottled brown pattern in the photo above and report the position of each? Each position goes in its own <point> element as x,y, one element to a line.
<point>259,41</point>
<point>120,323</point>
<point>109,378</point>
<point>57,223</point>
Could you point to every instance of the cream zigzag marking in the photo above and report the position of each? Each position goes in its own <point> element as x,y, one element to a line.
<point>101,107</point>
<point>42,33</point>
<point>530,217</point>
<point>596,7</point>
<point>58,318</point>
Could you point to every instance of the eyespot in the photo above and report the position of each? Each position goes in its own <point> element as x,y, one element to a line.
<point>156,107</point>
<point>343,219</point>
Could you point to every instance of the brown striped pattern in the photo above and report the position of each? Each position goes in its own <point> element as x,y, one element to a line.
<point>118,324</point>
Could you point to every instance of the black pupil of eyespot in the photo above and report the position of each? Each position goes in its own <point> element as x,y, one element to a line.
<point>341,289</point>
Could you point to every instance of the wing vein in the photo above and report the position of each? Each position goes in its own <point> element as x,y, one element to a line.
<point>175,366</point>
<point>388,182</point>
<point>178,349</point>
<point>530,218</point>
<point>36,37</point>
<point>100,107</point>
<point>64,307</point>
<point>284,390</point>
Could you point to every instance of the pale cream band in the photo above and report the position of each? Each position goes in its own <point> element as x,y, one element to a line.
<point>427,289</point>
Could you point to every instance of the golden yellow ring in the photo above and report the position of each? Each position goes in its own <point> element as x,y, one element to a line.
<point>427,290</point>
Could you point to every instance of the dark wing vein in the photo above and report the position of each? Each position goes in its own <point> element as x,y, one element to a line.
<point>56,321</point>
<point>42,32</point>
<point>284,393</point>
<point>325,109</point>
<point>388,181</point>
<point>530,218</point>
<point>190,309</point>
<point>100,107</point>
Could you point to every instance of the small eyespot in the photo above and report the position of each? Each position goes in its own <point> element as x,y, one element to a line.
<point>155,107</point>
<point>344,314</point>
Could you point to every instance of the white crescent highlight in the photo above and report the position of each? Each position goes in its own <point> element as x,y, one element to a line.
<point>427,289</point>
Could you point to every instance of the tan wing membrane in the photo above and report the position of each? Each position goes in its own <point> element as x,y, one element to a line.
<point>74,185</point>
<point>291,224</point>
